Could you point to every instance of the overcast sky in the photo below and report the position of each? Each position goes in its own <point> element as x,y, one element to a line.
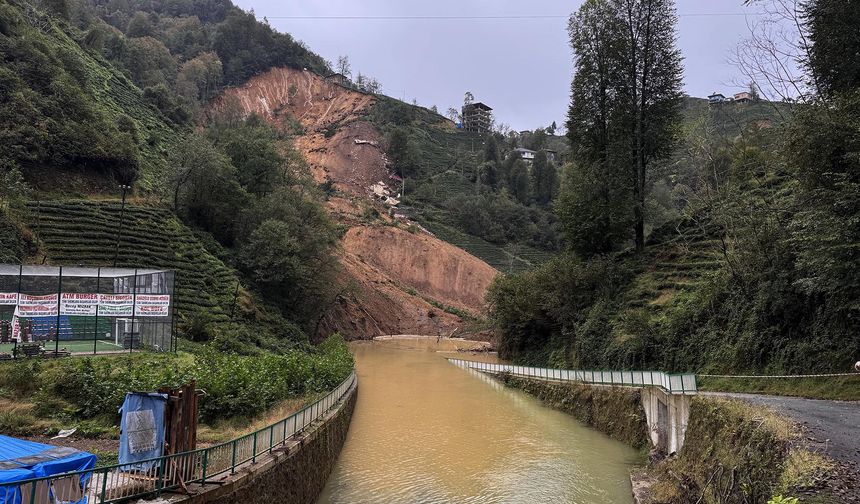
<point>520,67</point>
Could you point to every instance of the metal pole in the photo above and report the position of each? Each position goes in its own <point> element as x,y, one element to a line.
<point>59,295</point>
<point>133,307</point>
<point>235,296</point>
<point>124,188</point>
<point>17,302</point>
<point>173,314</point>
<point>96,329</point>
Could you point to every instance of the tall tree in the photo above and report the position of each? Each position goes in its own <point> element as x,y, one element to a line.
<point>649,89</point>
<point>491,150</point>
<point>343,66</point>
<point>595,205</point>
<point>833,60</point>
<point>544,179</point>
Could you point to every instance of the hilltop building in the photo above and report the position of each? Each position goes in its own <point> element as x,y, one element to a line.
<point>528,155</point>
<point>477,117</point>
<point>716,98</point>
<point>743,97</point>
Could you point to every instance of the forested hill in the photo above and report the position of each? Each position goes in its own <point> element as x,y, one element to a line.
<point>105,88</point>
<point>751,213</point>
<point>98,94</point>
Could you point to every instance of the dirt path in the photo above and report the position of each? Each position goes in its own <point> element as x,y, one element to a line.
<point>833,425</point>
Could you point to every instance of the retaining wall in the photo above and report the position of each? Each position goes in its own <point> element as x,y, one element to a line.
<point>295,474</point>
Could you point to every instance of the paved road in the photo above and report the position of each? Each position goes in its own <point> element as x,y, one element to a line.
<point>835,425</point>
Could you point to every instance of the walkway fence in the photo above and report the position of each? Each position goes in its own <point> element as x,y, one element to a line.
<point>671,383</point>
<point>118,483</point>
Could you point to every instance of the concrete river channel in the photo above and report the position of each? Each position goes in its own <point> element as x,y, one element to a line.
<point>426,431</point>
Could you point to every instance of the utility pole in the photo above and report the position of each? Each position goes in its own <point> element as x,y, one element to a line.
<point>124,188</point>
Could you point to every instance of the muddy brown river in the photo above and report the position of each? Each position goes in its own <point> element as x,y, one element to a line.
<point>425,431</point>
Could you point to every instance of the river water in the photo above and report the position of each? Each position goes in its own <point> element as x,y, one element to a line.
<point>426,431</point>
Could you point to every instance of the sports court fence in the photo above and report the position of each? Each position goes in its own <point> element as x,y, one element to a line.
<point>121,482</point>
<point>673,383</point>
<point>55,310</point>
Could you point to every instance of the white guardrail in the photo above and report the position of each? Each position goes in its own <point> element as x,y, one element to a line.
<point>672,383</point>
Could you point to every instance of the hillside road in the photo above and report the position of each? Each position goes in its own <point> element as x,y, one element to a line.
<point>834,426</point>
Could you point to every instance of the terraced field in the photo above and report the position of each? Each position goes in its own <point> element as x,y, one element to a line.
<point>513,258</point>
<point>676,259</point>
<point>77,232</point>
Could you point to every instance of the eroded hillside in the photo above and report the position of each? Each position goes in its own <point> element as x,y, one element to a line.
<point>398,279</point>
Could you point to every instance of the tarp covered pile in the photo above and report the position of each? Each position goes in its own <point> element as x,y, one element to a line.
<point>23,460</point>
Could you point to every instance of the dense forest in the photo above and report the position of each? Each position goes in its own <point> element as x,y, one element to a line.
<point>96,94</point>
<point>758,271</point>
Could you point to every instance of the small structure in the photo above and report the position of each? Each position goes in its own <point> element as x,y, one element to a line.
<point>743,97</point>
<point>477,117</point>
<point>338,78</point>
<point>526,155</point>
<point>716,98</point>
<point>85,310</point>
<point>24,460</point>
<point>551,155</point>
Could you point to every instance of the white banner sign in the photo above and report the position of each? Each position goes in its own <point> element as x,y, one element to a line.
<point>72,303</point>
<point>116,305</point>
<point>37,306</point>
<point>152,305</point>
<point>85,304</point>
<point>16,326</point>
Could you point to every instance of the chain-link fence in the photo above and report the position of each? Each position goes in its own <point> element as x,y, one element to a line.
<point>54,311</point>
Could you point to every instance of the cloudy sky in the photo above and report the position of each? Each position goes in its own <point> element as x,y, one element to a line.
<point>513,55</point>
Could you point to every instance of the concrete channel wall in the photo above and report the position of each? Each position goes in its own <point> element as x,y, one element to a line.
<point>295,474</point>
<point>664,398</point>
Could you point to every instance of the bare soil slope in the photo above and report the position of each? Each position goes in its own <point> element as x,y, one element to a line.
<point>390,275</point>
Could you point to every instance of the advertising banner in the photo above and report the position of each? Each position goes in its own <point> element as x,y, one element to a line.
<point>72,303</point>
<point>37,306</point>
<point>116,305</point>
<point>16,326</point>
<point>152,305</point>
<point>8,298</point>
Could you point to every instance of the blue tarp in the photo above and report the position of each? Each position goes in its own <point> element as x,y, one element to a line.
<point>21,460</point>
<point>141,430</point>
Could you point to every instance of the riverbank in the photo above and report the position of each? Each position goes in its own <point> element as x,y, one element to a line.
<point>427,431</point>
<point>734,453</point>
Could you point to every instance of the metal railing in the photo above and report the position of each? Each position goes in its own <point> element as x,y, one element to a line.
<point>672,383</point>
<point>120,482</point>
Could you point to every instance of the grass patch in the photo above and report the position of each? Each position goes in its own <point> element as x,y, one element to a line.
<point>734,452</point>
<point>843,388</point>
<point>803,470</point>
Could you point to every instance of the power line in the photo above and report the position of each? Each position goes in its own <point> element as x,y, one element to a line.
<point>444,18</point>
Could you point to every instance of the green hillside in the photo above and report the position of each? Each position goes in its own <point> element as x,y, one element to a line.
<point>91,117</point>
<point>85,232</point>
<point>443,174</point>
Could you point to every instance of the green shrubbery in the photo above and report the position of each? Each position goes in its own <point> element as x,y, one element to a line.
<point>236,385</point>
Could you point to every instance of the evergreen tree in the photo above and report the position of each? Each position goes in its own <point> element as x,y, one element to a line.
<point>834,55</point>
<point>649,89</point>
<point>596,197</point>
<point>491,150</point>
<point>403,153</point>
<point>625,104</point>
<point>518,182</point>
<point>544,179</point>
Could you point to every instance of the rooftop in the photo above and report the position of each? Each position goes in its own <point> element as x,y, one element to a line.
<point>478,105</point>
